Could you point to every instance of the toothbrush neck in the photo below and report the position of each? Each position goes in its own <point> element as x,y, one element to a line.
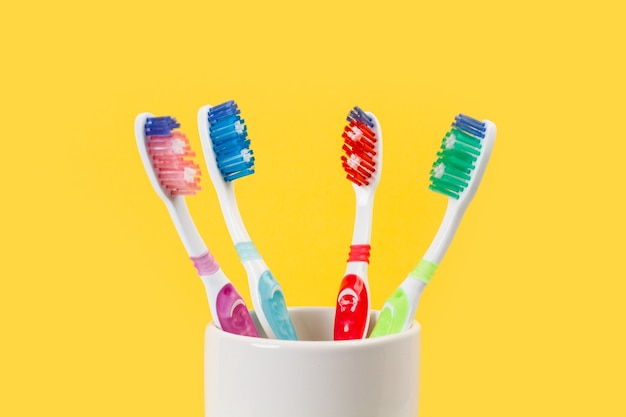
<point>186,228</point>
<point>447,230</point>
<point>363,221</point>
<point>232,216</point>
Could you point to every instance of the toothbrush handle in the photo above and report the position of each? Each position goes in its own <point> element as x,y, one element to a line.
<point>233,313</point>
<point>398,311</point>
<point>275,308</point>
<point>267,294</point>
<point>352,311</point>
<point>228,307</point>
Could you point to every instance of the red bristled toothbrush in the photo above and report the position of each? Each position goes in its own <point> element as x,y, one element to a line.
<point>363,164</point>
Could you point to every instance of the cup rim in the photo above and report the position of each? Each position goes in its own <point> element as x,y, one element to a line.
<point>335,344</point>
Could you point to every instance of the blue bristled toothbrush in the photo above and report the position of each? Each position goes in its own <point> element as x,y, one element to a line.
<point>228,156</point>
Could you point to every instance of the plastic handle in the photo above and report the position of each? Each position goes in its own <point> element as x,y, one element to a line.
<point>228,307</point>
<point>399,309</point>
<point>352,311</point>
<point>233,314</point>
<point>395,315</point>
<point>275,308</point>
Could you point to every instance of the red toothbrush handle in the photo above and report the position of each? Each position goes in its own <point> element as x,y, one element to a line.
<point>352,311</point>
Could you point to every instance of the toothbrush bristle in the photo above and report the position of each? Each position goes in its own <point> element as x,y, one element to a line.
<point>359,146</point>
<point>229,136</point>
<point>460,148</point>
<point>171,156</point>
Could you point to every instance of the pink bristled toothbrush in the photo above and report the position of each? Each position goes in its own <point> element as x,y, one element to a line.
<point>166,156</point>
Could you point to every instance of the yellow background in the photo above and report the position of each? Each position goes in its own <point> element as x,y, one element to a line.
<point>101,313</point>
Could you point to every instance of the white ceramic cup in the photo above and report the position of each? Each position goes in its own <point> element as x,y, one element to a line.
<point>313,376</point>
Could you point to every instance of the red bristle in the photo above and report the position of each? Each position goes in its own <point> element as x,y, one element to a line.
<point>366,136</point>
<point>363,167</point>
<point>359,148</point>
<point>358,180</point>
<point>363,142</point>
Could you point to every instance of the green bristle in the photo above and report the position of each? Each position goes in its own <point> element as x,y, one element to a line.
<point>468,142</point>
<point>456,159</point>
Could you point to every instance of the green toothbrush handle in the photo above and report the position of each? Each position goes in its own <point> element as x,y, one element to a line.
<point>399,309</point>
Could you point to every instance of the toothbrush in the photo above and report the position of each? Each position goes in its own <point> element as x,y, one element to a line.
<point>363,145</point>
<point>166,156</point>
<point>228,156</point>
<point>457,172</point>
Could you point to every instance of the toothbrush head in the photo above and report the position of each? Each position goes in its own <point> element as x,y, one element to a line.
<point>230,142</point>
<point>462,158</point>
<point>362,146</point>
<point>167,155</point>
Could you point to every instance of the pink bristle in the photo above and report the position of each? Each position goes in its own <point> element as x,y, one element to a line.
<point>171,157</point>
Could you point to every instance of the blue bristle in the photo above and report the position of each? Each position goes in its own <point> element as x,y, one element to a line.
<point>232,150</point>
<point>160,126</point>
<point>357,114</point>
<point>223,110</point>
<point>470,125</point>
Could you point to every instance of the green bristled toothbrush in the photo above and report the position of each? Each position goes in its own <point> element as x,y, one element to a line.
<point>457,172</point>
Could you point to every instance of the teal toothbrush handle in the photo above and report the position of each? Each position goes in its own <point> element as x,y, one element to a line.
<point>267,295</point>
